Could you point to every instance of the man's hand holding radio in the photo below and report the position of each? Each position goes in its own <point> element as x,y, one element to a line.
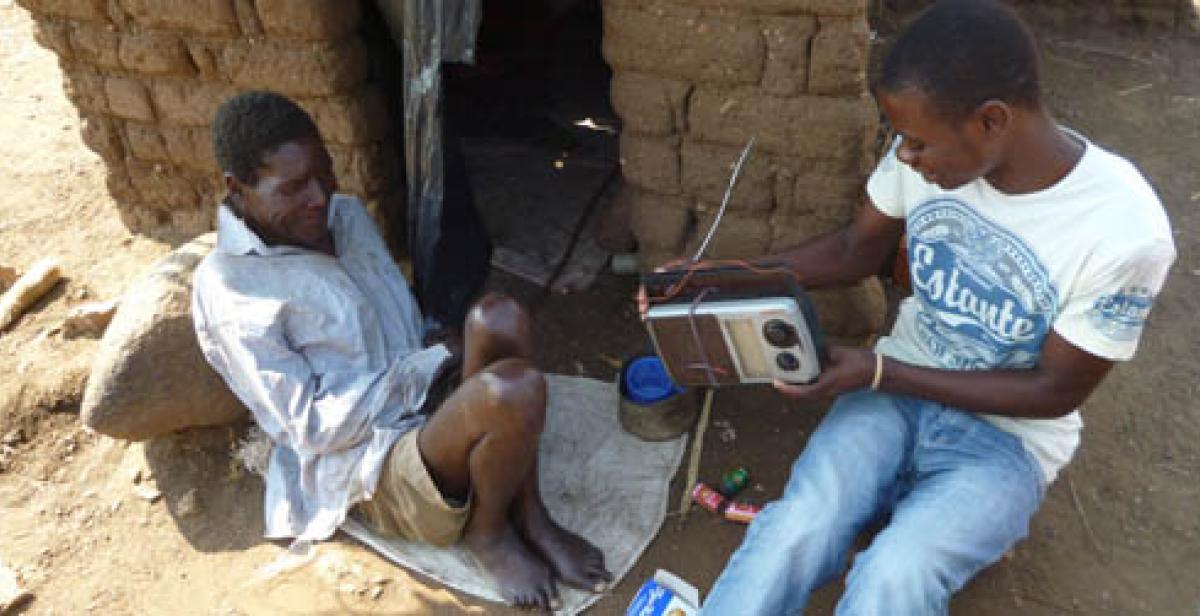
<point>847,369</point>
<point>738,321</point>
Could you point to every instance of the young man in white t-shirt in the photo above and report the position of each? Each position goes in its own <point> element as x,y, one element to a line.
<point>1035,258</point>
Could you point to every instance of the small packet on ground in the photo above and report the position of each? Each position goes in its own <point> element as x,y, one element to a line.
<point>733,511</point>
<point>665,594</point>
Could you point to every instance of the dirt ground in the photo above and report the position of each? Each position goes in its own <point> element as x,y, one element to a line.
<point>82,526</point>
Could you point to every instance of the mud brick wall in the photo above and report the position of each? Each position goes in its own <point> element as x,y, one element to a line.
<point>1171,16</point>
<point>694,80</point>
<point>147,76</point>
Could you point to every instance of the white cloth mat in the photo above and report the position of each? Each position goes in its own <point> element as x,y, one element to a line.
<point>597,480</point>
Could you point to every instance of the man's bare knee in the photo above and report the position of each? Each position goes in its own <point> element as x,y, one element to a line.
<point>517,389</point>
<point>497,312</point>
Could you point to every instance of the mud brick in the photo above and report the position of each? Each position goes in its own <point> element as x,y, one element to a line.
<point>210,188</point>
<point>298,69</point>
<point>679,43</point>
<point>87,10</point>
<point>660,222</point>
<point>191,148</point>
<point>827,189</point>
<point>353,119</point>
<point>204,58</point>
<point>55,35</point>
<point>651,163</point>
<point>102,134</point>
<point>309,20</point>
<point>84,85</point>
<point>191,222</point>
<point>790,229</point>
<point>786,69</point>
<point>96,44</point>
<point>156,54</point>
<point>207,17</point>
<point>189,103</point>
<point>773,7</point>
<point>247,18</point>
<point>140,218</point>
<point>819,7</point>
<point>650,104</point>
<point>853,313</point>
<point>840,51</point>
<point>740,235</point>
<point>706,169</point>
<point>162,186</point>
<point>127,98</point>
<point>116,179</point>
<point>146,142</point>
<point>814,127</point>
<point>359,170</point>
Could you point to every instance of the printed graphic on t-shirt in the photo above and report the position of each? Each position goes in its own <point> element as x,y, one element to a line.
<point>986,300</point>
<point>1121,315</point>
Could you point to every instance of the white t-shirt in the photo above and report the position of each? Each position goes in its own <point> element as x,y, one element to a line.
<point>993,273</point>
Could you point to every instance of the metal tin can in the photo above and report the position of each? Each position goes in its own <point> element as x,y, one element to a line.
<point>708,498</point>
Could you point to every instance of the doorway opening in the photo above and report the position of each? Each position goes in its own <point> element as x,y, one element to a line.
<point>538,136</point>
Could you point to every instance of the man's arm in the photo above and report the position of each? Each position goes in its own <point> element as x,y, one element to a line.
<point>316,412</point>
<point>1063,378</point>
<point>845,256</point>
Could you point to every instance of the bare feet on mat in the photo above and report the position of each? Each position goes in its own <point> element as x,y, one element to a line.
<point>520,576</point>
<point>574,560</point>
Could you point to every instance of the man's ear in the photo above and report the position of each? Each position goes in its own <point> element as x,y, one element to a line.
<point>995,118</point>
<point>236,193</point>
<point>232,184</point>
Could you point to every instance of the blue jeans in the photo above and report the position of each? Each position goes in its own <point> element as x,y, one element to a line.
<point>960,493</point>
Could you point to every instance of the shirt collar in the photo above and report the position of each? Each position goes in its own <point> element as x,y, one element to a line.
<point>235,237</point>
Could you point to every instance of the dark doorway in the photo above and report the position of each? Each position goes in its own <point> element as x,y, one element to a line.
<point>538,135</point>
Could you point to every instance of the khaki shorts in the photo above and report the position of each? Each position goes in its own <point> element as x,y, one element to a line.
<point>408,505</point>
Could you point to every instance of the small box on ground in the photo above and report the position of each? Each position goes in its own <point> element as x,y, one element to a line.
<point>665,594</point>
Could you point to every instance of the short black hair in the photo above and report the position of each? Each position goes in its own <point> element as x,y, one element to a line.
<point>962,53</point>
<point>249,126</point>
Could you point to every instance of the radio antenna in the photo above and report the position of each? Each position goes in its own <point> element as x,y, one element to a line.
<point>733,178</point>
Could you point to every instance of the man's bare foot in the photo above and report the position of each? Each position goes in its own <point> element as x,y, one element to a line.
<point>521,577</point>
<point>573,559</point>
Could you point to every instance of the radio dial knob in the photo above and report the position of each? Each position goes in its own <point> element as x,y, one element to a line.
<point>780,334</point>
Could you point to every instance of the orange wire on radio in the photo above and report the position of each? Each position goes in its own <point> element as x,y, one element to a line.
<point>695,266</point>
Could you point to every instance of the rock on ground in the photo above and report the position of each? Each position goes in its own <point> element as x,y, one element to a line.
<point>149,376</point>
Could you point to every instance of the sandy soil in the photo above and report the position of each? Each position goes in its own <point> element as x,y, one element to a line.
<point>173,526</point>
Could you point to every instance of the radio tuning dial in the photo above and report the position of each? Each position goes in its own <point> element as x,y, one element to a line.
<point>780,333</point>
<point>787,362</point>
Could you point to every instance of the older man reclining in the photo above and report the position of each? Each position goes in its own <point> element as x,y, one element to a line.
<point>303,312</point>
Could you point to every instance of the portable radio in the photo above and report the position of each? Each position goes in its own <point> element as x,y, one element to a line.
<point>732,325</point>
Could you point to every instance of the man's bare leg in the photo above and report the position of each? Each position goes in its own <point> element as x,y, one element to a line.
<point>573,559</point>
<point>482,441</point>
<point>497,328</point>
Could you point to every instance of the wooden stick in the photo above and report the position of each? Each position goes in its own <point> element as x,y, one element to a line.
<point>685,504</point>
<point>27,290</point>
